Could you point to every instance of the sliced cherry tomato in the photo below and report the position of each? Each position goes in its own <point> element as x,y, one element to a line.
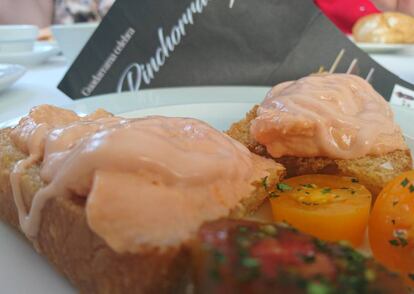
<point>391,226</point>
<point>331,208</point>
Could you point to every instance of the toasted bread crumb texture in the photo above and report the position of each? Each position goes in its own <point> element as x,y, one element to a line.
<point>371,170</point>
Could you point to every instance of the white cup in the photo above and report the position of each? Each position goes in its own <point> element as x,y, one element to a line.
<point>72,37</point>
<point>17,38</point>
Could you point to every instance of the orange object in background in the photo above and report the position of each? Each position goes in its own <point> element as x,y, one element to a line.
<point>344,13</point>
<point>391,226</point>
<point>332,208</point>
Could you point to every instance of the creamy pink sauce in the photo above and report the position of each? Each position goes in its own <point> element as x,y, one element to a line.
<point>327,115</point>
<point>149,182</point>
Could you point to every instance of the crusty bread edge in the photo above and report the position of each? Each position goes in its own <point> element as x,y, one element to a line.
<point>76,251</point>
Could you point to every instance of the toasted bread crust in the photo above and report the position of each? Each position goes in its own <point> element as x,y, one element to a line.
<point>67,241</point>
<point>372,171</point>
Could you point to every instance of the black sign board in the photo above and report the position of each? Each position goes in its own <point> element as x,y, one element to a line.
<point>162,43</point>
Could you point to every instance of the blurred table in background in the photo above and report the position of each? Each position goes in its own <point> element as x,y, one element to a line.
<point>401,65</point>
<point>39,84</point>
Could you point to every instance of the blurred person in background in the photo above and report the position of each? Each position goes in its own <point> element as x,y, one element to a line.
<point>344,13</point>
<point>74,11</point>
<point>43,13</point>
<point>35,12</point>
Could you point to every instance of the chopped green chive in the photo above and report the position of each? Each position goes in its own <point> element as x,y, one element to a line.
<point>308,258</point>
<point>243,229</point>
<point>399,242</point>
<point>401,236</point>
<point>283,187</point>
<point>318,288</point>
<point>411,188</point>
<point>394,242</point>
<point>404,182</point>
<point>215,275</point>
<point>403,242</point>
<point>264,182</point>
<point>309,185</point>
<point>326,190</point>
<point>320,245</point>
<point>219,257</point>
<point>250,262</point>
<point>309,203</point>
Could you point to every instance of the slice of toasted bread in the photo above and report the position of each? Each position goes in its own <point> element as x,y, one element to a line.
<point>76,251</point>
<point>372,171</point>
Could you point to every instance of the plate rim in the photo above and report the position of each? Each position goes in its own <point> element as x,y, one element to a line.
<point>372,47</point>
<point>38,49</point>
<point>167,96</point>
<point>150,98</point>
<point>9,79</point>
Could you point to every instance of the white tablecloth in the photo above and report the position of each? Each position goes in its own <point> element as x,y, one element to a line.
<point>39,84</point>
<point>401,65</point>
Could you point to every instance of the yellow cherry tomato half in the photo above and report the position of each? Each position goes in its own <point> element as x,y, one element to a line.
<point>332,208</point>
<point>391,226</point>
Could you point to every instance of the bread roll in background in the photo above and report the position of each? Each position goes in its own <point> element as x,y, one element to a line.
<point>45,34</point>
<point>388,27</point>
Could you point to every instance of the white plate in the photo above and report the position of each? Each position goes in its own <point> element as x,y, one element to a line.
<point>9,74</point>
<point>219,106</point>
<point>383,48</point>
<point>40,53</point>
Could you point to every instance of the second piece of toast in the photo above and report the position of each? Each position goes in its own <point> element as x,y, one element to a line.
<point>372,171</point>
